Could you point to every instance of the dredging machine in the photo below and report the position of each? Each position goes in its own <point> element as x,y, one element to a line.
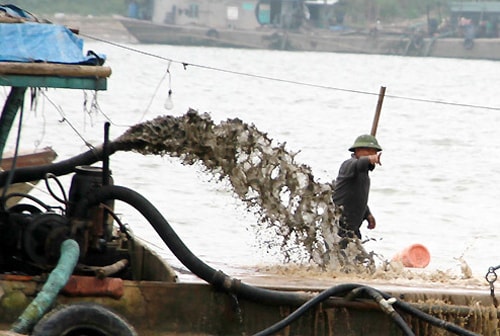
<point>69,266</point>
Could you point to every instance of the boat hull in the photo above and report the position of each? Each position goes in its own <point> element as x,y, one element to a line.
<point>162,308</point>
<point>36,158</point>
<point>155,303</point>
<point>313,40</point>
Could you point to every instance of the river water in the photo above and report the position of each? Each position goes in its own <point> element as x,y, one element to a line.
<point>437,186</point>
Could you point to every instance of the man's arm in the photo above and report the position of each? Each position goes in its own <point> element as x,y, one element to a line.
<point>371,220</point>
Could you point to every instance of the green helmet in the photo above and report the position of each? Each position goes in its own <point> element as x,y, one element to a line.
<point>365,141</point>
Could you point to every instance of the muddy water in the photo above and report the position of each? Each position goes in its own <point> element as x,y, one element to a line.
<point>291,206</point>
<point>437,185</point>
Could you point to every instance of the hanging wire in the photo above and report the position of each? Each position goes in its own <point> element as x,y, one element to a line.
<point>34,93</point>
<point>64,119</point>
<point>146,110</point>
<point>89,106</point>
<point>168,103</point>
<point>94,107</point>
<point>44,122</point>
<point>186,64</point>
<point>98,109</point>
<point>169,79</point>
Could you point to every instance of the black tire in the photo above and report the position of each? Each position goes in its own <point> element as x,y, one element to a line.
<point>83,319</point>
<point>27,209</point>
<point>213,33</point>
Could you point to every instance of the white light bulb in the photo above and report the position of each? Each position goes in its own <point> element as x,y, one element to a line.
<point>169,104</point>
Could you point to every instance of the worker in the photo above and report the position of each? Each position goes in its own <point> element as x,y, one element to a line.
<point>352,187</point>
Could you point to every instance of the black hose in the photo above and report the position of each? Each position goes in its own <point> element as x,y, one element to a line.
<point>63,200</point>
<point>193,263</point>
<point>29,196</point>
<point>231,285</point>
<point>375,295</point>
<point>387,308</point>
<point>431,319</point>
<point>28,174</point>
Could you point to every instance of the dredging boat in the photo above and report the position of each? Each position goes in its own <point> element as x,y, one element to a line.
<point>75,269</point>
<point>470,31</point>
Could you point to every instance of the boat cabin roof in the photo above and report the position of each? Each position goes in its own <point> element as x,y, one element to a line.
<point>37,53</point>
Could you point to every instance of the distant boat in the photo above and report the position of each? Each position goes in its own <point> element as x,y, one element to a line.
<point>251,25</point>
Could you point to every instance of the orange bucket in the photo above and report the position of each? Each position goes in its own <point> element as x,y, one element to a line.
<point>415,255</point>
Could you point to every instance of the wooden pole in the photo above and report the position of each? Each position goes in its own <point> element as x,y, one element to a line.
<point>51,69</point>
<point>377,111</point>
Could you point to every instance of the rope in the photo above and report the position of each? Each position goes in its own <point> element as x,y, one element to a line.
<point>238,73</point>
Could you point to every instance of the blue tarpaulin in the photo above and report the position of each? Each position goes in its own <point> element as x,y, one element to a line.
<point>16,12</point>
<point>43,42</point>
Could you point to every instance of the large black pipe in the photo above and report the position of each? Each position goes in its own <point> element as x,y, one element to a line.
<point>193,263</point>
<point>231,285</point>
<point>28,174</point>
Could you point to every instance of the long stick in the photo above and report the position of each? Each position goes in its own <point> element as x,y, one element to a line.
<point>377,111</point>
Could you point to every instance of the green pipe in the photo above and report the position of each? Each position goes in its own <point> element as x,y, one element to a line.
<point>70,252</point>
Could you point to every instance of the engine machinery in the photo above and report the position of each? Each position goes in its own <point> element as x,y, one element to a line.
<point>31,235</point>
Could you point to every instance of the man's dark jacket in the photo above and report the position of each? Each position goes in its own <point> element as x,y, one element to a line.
<point>352,187</point>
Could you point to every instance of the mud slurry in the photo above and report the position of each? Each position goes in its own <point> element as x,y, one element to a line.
<point>292,207</point>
